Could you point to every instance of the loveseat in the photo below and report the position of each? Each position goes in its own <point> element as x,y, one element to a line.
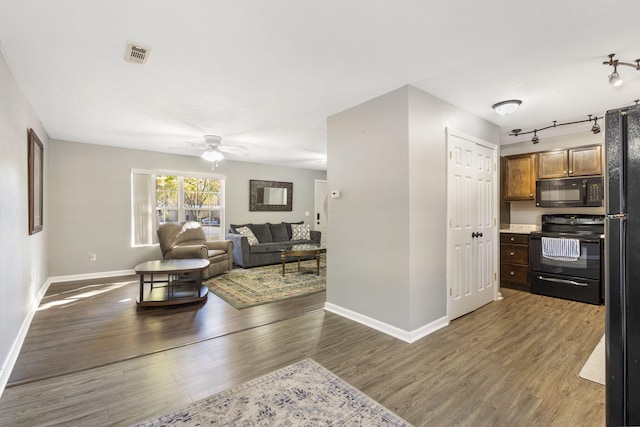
<point>262,245</point>
<point>180,240</point>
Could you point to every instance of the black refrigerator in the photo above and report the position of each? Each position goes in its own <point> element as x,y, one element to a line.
<point>622,266</point>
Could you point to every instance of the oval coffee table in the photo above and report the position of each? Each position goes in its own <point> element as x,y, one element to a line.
<point>175,285</point>
<point>300,251</point>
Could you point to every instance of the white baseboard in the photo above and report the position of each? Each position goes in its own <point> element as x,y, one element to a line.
<point>12,357</point>
<point>401,334</point>
<point>89,276</point>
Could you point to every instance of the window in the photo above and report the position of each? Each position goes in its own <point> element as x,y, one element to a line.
<point>163,197</point>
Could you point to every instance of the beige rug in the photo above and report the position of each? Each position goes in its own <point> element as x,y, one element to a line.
<point>302,394</point>
<point>249,287</point>
<point>594,369</point>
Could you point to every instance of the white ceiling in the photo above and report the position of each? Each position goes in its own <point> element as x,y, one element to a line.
<point>267,74</point>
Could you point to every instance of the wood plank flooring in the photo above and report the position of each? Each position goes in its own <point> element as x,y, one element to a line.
<point>513,362</point>
<point>93,323</point>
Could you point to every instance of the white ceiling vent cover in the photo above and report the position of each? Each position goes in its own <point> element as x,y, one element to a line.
<point>136,54</point>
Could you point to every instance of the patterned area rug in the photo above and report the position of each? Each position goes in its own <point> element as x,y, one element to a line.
<point>244,288</point>
<point>302,394</point>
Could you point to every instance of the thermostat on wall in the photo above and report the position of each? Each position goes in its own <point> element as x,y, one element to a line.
<point>335,194</point>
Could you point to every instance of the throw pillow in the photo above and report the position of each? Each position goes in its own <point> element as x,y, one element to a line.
<point>279,233</point>
<point>246,232</point>
<point>262,232</point>
<point>300,232</point>
<point>288,225</point>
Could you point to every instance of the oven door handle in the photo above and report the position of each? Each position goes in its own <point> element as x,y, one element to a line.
<point>568,282</point>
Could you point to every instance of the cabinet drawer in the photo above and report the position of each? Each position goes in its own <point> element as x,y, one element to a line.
<point>514,273</point>
<point>517,239</point>
<point>516,254</point>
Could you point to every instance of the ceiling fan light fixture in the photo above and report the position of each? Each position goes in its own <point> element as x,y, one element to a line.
<point>506,107</point>
<point>212,155</point>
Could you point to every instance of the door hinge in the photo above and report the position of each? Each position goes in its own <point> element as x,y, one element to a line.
<point>450,292</point>
<point>495,276</point>
<point>450,155</point>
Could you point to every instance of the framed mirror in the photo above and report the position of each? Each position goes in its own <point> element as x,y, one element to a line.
<point>270,195</point>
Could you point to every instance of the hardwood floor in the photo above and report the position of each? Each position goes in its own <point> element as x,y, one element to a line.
<point>513,362</point>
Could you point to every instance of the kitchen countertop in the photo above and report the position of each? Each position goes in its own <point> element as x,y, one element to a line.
<point>520,228</point>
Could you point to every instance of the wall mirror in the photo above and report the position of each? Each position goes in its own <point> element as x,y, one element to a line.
<point>270,195</point>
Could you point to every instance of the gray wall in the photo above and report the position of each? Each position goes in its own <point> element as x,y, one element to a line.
<point>526,212</point>
<point>90,202</point>
<point>387,252</point>
<point>22,257</point>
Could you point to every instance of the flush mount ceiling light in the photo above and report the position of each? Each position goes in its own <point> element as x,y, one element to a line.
<point>614,79</point>
<point>506,107</point>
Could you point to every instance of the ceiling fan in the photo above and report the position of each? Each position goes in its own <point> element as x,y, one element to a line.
<point>214,148</point>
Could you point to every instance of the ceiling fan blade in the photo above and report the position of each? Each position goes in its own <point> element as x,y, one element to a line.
<point>232,149</point>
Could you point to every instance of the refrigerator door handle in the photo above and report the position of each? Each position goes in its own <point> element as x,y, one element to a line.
<point>568,282</point>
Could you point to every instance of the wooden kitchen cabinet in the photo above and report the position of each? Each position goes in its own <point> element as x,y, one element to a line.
<point>579,161</point>
<point>520,177</point>
<point>514,260</point>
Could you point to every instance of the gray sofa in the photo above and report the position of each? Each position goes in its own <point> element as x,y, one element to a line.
<point>271,239</point>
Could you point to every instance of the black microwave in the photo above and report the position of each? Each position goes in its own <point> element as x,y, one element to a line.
<point>569,192</point>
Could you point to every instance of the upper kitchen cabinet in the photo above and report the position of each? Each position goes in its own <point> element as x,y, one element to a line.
<point>579,161</point>
<point>520,177</point>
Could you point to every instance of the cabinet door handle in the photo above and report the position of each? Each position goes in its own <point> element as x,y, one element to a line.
<point>531,195</point>
<point>513,273</point>
<point>512,253</point>
<point>513,239</point>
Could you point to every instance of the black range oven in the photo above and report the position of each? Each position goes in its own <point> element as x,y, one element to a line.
<point>566,257</point>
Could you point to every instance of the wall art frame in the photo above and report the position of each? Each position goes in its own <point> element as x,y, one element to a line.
<point>256,194</point>
<point>36,183</point>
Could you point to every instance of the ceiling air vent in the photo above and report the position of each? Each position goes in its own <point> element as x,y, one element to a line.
<point>136,54</point>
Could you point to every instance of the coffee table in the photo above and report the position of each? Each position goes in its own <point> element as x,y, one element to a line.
<point>177,286</point>
<point>300,251</point>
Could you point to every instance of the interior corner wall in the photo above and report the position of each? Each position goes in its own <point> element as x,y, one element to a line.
<point>90,206</point>
<point>387,253</point>
<point>22,256</point>
<point>429,117</point>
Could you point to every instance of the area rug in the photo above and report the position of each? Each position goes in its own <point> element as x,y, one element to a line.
<point>302,394</point>
<point>249,287</point>
<point>594,369</point>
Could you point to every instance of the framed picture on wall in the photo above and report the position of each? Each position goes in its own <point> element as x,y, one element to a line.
<point>36,182</point>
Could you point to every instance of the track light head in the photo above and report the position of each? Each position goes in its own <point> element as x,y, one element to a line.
<point>614,79</point>
<point>535,138</point>
<point>596,127</point>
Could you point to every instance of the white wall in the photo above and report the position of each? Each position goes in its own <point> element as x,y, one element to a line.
<point>22,257</point>
<point>387,253</point>
<point>526,212</point>
<point>90,202</point>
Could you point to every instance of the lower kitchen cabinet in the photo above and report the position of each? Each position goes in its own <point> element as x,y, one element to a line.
<point>514,260</point>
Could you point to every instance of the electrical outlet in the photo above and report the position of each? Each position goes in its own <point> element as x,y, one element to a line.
<point>92,256</point>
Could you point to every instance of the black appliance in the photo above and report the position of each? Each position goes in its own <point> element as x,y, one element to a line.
<point>569,192</point>
<point>579,278</point>
<point>622,266</point>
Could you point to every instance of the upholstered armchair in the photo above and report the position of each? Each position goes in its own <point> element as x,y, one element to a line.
<point>187,240</point>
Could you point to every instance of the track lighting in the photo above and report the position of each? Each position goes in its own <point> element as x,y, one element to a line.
<point>506,107</point>
<point>614,79</point>
<point>535,138</point>
<point>595,128</point>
